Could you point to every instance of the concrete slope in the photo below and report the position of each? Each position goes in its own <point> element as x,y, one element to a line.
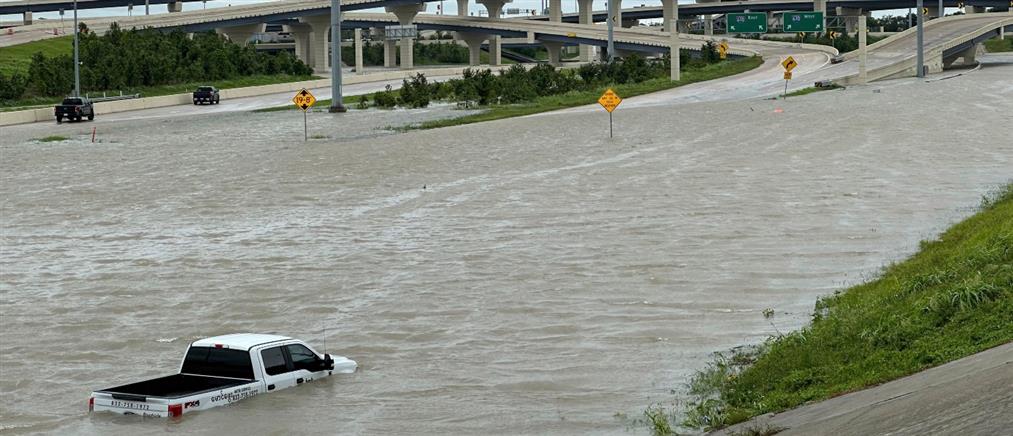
<point>895,56</point>
<point>970,396</point>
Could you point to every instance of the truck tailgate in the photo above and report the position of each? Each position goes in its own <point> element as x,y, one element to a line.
<point>124,405</point>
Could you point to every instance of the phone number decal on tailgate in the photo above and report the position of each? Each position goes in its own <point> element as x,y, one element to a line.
<point>126,405</point>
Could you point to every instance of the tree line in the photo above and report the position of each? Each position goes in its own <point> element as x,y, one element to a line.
<point>121,60</point>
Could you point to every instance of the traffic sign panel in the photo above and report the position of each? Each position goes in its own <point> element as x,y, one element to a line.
<point>609,100</point>
<point>304,99</point>
<point>723,49</point>
<point>803,21</point>
<point>749,22</point>
<point>787,75</point>
<point>789,64</point>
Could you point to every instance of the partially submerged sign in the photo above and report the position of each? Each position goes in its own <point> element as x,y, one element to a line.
<point>304,99</point>
<point>609,100</point>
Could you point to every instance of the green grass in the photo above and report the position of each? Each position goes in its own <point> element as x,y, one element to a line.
<point>812,89</point>
<point>952,299</point>
<point>572,99</point>
<point>53,138</point>
<point>17,58</point>
<point>154,91</point>
<point>996,45</point>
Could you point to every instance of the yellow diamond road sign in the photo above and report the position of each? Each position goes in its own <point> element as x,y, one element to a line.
<point>789,64</point>
<point>304,100</point>
<point>609,100</point>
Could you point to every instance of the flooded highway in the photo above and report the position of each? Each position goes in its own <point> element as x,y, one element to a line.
<point>524,276</point>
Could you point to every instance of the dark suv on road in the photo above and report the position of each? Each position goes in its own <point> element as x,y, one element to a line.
<point>206,94</point>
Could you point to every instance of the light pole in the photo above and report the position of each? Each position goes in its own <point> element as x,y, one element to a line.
<point>611,44</point>
<point>337,105</point>
<point>920,39</point>
<point>77,62</point>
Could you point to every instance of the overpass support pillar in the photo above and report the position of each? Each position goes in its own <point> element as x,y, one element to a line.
<point>462,8</point>
<point>666,15</point>
<point>241,34</point>
<point>584,16</point>
<point>495,9</point>
<point>850,18</point>
<point>175,6</point>
<point>555,11</point>
<point>554,48</point>
<point>359,67</point>
<point>474,41</point>
<point>967,57</point>
<point>405,14</point>
<point>26,17</point>
<point>301,34</point>
<point>708,25</point>
<point>319,50</point>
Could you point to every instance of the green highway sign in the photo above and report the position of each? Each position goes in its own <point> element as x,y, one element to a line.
<point>803,21</point>
<point>749,22</point>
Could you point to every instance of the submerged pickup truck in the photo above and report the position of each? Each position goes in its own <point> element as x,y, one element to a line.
<point>206,94</point>
<point>73,109</point>
<point>222,370</point>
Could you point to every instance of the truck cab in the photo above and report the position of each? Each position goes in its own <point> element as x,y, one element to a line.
<point>222,370</point>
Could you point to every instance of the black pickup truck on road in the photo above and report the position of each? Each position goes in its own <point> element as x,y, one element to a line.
<point>74,109</point>
<point>205,94</point>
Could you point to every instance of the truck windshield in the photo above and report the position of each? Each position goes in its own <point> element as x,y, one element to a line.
<point>218,362</point>
<point>204,89</point>
<point>72,101</point>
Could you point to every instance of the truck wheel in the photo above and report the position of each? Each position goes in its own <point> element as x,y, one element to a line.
<point>217,100</point>
<point>91,116</point>
<point>59,120</point>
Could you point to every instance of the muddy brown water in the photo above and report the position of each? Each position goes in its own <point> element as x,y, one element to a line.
<point>527,276</point>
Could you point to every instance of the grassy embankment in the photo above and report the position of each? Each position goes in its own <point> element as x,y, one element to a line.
<point>18,58</point>
<point>952,299</point>
<point>572,99</point>
<point>996,45</point>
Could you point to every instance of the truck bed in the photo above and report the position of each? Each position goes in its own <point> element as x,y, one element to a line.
<point>173,386</point>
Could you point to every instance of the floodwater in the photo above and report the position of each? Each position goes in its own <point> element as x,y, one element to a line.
<point>527,276</point>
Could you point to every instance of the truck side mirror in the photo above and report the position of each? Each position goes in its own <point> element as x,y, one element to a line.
<point>328,363</point>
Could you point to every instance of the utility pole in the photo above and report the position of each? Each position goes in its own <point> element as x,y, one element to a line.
<point>77,62</point>
<point>337,105</point>
<point>611,44</point>
<point>921,38</point>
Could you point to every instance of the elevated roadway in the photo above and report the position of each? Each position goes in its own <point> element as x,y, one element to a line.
<point>650,12</point>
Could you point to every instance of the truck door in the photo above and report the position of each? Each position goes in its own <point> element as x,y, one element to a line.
<point>279,372</point>
<point>304,361</point>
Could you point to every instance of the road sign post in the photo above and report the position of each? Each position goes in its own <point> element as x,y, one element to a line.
<point>789,64</point>
<point>304,100</point>
<point>609,100</point>
<point>803,22</point>
<point>748,22</point>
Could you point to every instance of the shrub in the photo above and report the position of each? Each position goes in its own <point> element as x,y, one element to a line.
<point>385,99</point>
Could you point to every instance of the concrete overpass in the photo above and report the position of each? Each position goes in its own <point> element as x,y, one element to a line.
<point>946,40</point>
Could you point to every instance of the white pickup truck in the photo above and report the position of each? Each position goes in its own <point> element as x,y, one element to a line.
<point>222,370</point>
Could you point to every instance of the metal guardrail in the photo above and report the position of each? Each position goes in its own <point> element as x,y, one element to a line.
<point>105,97</point>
